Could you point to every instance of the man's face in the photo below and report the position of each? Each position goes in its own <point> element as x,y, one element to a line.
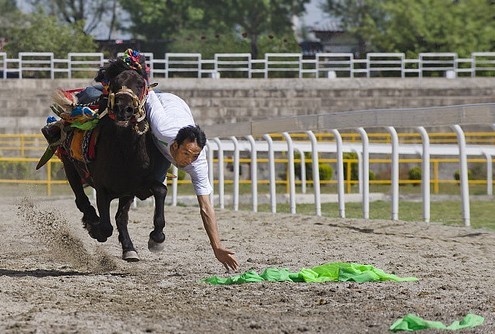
<point>186,153</point>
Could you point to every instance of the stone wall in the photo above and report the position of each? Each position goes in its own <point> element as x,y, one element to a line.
<point>25,102</point>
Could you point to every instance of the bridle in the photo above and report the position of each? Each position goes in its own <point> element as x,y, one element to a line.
<point>138,103</point>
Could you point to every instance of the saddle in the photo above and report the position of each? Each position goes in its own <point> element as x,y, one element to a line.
<point>73,134</point>
<point>80,144</point>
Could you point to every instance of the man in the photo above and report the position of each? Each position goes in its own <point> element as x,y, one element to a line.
<point>181,143</point>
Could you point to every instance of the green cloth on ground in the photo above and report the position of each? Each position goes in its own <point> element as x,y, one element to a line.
<point>329,272</point>
<point>412,322</point>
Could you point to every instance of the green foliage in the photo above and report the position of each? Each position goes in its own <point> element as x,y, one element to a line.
<point>40,33</point>
<point>252,20</point>
<point>326,172</point>
<point>412,27</point>
<point>354,166</point>
<point>57,171</point>
<point>181,175</point>
<point>414,173</point>
<point>208,43</point>
<point>13,170</point>
<point>457,175</point>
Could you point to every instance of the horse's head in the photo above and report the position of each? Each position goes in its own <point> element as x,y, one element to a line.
<point>126,98</point>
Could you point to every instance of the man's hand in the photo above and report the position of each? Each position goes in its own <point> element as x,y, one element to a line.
<point>227,258</point>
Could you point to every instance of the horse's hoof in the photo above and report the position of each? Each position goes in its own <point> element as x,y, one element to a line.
<point>154,246</point>
<point>130,256</point>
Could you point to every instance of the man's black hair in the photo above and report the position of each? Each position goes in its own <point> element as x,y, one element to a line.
<point>192,133</point>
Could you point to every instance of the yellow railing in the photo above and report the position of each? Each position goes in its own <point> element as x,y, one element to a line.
<point>32,145</point>
<point>27,148</point>
<point>45,177</point>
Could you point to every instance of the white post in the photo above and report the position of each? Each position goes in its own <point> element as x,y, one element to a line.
<point>395,172</point>
<point>271,166</point>
<point>425,173</point>
<point>365,173</point>
<point>303,169</point>
<point>221,177</point>
<point>463,174</point>
<point>489,174</point>
<point>340,173</point>
<point>236,173</point>
<point>292,183</point>
<point>175,171</point>
<point>316,171</point>
<point>210,173</point>
<point>254,173</point>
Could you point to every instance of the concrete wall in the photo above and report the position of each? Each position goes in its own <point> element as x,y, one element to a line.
<point>25,103</point>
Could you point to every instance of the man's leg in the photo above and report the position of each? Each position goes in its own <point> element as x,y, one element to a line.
<point>161,166</point>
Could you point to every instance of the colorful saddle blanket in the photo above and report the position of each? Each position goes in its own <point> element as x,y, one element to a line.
<point>80,144</point>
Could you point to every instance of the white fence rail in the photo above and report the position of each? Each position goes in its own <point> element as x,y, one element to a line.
<point>241,65</point>
<point>256,137</point>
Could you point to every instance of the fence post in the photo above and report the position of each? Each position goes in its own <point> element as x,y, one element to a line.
<point>340,173</point>
<point>395,173</point>
<point>236,173</point>
<point>271,166</point>
<point>221,177</point>
<point>254,175</point>
<point>489,174</point>
<point>425,173</point>
<point>292,186</point>
<point>463,174</point>
<point>210,173</point>
<point>316,171</point>
<point>365,173</point>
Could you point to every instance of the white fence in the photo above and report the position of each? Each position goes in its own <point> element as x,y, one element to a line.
<point>235,138</point>
<point>241,65</point>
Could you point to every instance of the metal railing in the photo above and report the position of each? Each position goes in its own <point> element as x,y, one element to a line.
<point>419,119</point>
<point>280,142</point>
<point>273,65</point>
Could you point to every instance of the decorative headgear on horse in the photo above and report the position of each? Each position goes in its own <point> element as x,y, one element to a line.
<point>136,61</point>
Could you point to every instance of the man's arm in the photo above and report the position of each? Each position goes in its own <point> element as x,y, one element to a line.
<point>225,256</point>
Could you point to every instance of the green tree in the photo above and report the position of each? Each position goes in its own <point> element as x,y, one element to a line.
<point>92,15</point>
<point>361,18</point>
<point>461,26</point>
<point>246,20</point>
<point>55,37</point>
<point>9,15</point>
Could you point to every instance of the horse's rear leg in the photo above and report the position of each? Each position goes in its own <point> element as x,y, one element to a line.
<point>157,237</point>
<point>90,217</point>
<point>122,218</point>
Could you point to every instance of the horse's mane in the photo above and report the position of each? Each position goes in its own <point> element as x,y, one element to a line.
<point>132,60</point>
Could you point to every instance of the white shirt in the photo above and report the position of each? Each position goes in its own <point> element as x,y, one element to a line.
<point>167,114</point>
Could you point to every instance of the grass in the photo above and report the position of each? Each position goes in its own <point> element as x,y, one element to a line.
<point>445,212</point>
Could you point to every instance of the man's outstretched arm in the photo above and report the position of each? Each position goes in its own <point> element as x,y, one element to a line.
<point>225,256</point>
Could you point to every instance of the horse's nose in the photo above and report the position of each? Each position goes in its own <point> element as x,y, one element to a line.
<point>124,113</point>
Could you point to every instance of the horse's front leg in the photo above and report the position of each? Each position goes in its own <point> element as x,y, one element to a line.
<point>90,217</point>
<point>104,229</point>
<point>157,237</point>
<point>122,218</point>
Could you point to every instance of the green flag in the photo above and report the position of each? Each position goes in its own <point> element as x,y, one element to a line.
<point>329,272</point>
<point>412,322</point>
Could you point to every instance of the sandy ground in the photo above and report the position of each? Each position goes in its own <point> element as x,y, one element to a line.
<point>55,279</point>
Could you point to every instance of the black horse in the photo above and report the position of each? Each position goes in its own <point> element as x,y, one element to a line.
<point>123,166</point>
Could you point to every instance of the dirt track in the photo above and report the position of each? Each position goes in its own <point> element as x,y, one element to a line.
<point>47,287</point>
